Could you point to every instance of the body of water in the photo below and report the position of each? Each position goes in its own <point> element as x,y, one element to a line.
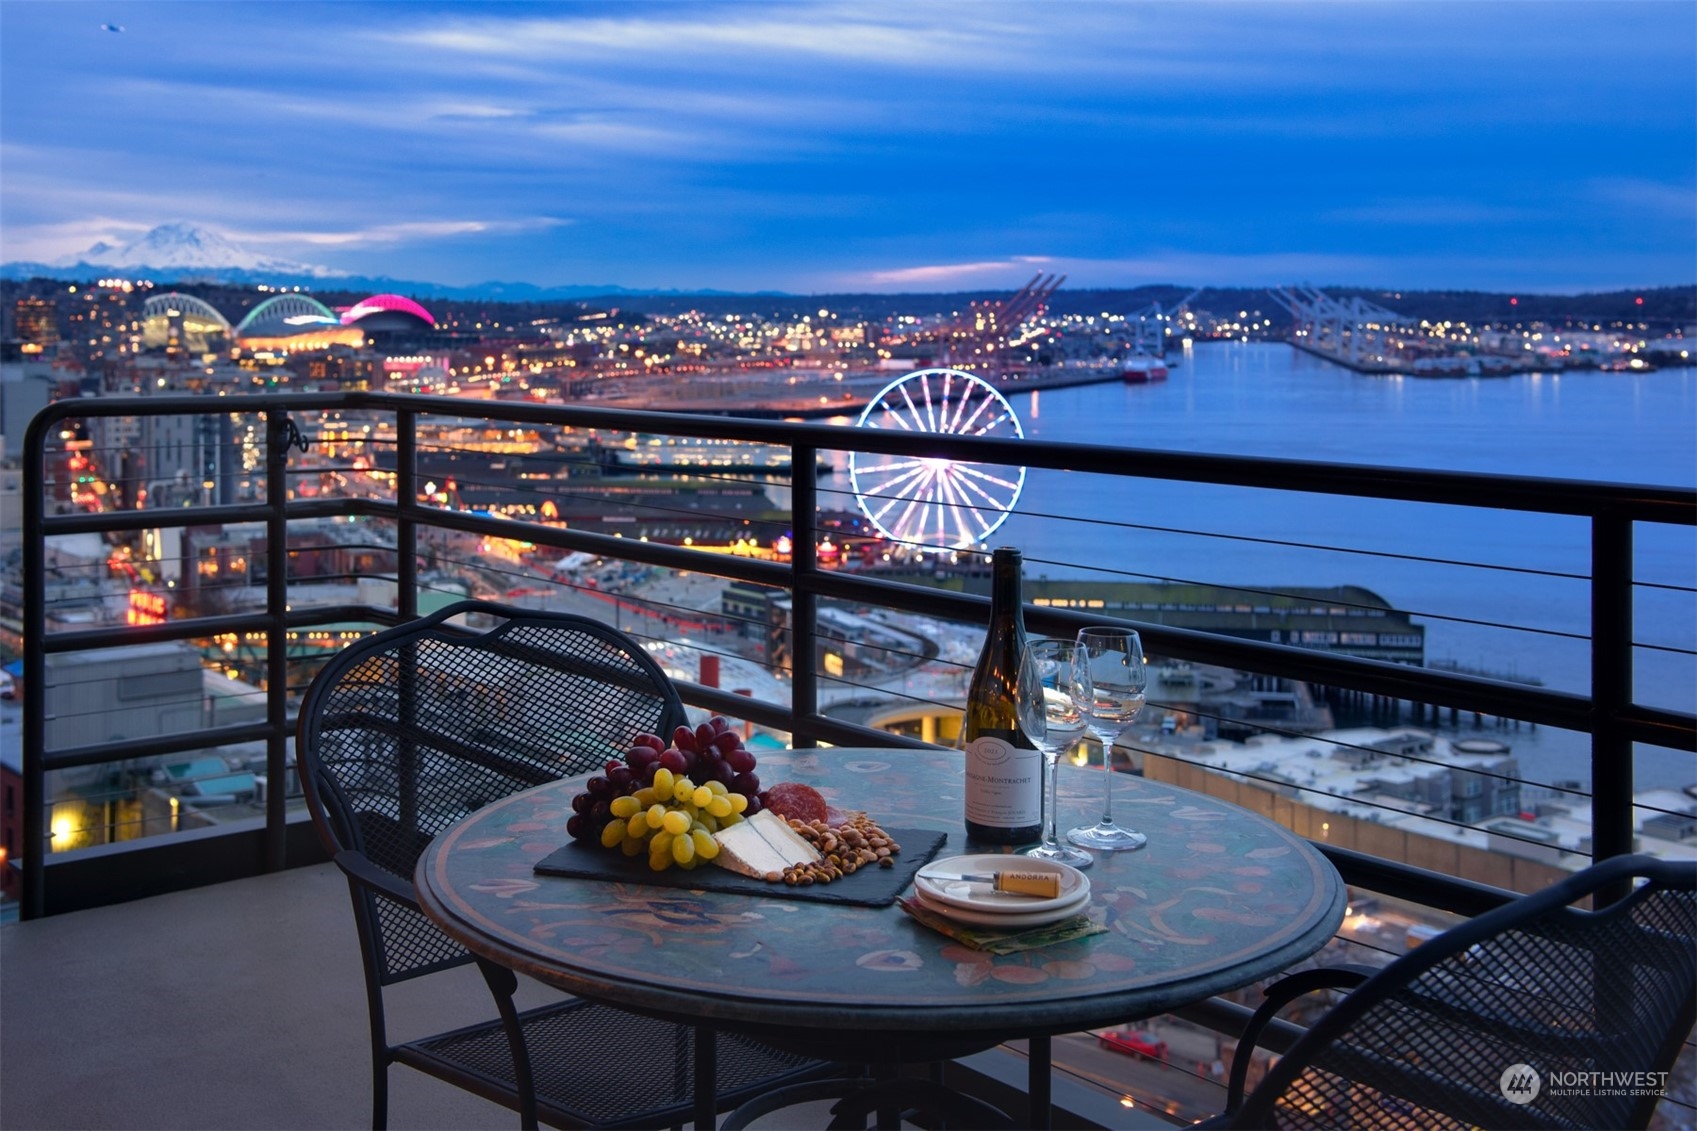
<point>1524,612</point>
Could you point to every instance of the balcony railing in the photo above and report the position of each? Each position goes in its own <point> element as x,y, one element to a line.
<point>404,521</point>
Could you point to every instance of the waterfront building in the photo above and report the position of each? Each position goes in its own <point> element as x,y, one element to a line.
<point>1347,619</point>
<point>1450,806</point>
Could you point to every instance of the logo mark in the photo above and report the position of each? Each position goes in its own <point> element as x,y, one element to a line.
<point>1520,1083</point>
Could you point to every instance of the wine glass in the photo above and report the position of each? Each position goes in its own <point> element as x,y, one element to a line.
<point>1110,698</point>
<point>1049,715</point>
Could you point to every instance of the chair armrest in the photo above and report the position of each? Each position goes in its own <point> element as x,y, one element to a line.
<point>1280,994</point>
<point>359,868</point>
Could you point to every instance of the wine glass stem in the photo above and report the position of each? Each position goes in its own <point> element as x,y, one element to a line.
<point>1108,769</point>
<point>1051,760</point>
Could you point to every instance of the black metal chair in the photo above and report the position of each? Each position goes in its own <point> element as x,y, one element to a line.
<point>1502,1021</point>
<point>404,733</point>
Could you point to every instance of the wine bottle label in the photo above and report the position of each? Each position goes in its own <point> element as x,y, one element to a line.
<point>1002,784</point>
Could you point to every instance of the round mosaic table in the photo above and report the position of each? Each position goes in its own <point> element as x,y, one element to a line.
<point>1219,898</point>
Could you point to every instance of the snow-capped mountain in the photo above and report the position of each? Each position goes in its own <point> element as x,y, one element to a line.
<point>173,253</point>
<point>185,247</point>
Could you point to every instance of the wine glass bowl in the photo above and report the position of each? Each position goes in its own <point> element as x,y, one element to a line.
<point>1110,694</point>
<point>1050,716</point>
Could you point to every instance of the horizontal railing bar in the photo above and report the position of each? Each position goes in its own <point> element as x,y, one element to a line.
<point>1231,1019</point>
<point>824,728</point>
<point>1657,726</point>
<point>152,518</point>
<point>124,750</point>
<point>1474,489</point>
<point>1634,502</point>
<point>307,616</point>
<point>1418,885</point>
<point>606,545</point>
<point>835,731</point>
<point>732,705</point>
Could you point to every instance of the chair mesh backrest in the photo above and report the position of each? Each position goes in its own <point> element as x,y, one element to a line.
<point>1568,992</point>
<point>411,730</point>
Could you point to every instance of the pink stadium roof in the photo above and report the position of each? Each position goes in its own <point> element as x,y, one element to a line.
<point>378,303</point>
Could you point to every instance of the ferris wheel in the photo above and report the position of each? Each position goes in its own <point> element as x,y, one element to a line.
<point>937,503</point>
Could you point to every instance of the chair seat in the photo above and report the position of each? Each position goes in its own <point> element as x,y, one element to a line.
<point>587,1058</point>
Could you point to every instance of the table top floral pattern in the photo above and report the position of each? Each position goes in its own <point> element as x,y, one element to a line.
<point>1219,898</point>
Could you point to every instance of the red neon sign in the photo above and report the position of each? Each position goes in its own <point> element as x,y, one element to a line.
<point>146,607</point>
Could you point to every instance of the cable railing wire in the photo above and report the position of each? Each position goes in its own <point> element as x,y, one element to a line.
<point>1282,543</point>
<point>1557,633</point>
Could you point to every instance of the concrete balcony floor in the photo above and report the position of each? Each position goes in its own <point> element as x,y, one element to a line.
<point>239,1005</point>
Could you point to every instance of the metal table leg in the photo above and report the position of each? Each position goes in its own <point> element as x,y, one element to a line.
<point>1037,1083</point>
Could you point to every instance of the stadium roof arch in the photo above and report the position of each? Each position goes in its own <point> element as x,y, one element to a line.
<point>386,304</point>
<point>175,320</point>
<point>284,315</point>
<point>175,304</point>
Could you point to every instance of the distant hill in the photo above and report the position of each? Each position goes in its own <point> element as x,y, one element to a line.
<point>184,254</point>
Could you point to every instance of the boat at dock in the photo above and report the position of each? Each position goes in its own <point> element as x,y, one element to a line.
<point>1141,369</point>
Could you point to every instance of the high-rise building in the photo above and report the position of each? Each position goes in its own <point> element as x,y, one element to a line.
<point>35,321</point>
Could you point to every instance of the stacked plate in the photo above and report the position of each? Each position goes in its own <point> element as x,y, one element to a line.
<point>978,903</point>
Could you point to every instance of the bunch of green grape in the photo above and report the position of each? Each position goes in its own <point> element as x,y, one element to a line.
<point>673,820</point>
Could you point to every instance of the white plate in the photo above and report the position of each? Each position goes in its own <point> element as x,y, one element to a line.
<point>1075,885</point>
<point>1004,919</point>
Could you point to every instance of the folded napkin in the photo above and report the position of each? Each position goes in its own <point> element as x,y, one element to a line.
<point>1084,924</point>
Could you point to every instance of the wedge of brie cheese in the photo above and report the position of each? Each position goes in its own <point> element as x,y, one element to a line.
<point>762,847</point>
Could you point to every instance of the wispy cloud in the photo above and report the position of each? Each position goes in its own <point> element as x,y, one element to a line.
<point>1433,212</point>
<point>1654,198</point>
<point>944,274</point>
<point>1160,267</point>
<point>911,37</point>
<point>379,235</point>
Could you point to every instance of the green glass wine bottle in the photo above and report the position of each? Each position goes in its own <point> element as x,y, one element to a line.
<point>1004,796</point>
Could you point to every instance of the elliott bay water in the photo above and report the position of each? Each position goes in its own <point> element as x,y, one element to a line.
<point>1525,616</point>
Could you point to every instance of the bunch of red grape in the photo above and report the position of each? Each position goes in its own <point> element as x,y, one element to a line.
<point>709,752</point>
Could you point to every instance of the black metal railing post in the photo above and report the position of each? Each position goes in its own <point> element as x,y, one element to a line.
<point>406,501</point>
<point>804,604</point>
<point>1611,689</point>
<point>280,435</point>
<point>36,845</point>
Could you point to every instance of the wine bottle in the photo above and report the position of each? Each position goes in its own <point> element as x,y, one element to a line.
<point>1004,794</point>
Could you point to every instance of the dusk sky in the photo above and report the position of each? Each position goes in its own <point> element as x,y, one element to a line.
<point>827,147</point>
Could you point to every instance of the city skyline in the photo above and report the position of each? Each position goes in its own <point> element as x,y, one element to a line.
<point>873,147</point>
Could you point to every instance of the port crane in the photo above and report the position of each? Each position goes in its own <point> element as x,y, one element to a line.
<point>1149,335</point>
<point>1353,329</point>
<point>978,337</point>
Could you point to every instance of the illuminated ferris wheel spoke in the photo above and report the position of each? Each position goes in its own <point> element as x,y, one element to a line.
<point>913,411</point>
<point>937,503</point>
<point>966,484</point>
<point>957,509</point>
<point>901,521</point>
<point>930,408</point>
<point>961,422</point>
<point>969,425</point>
<point>964,489</point>
<point>911,479</point>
